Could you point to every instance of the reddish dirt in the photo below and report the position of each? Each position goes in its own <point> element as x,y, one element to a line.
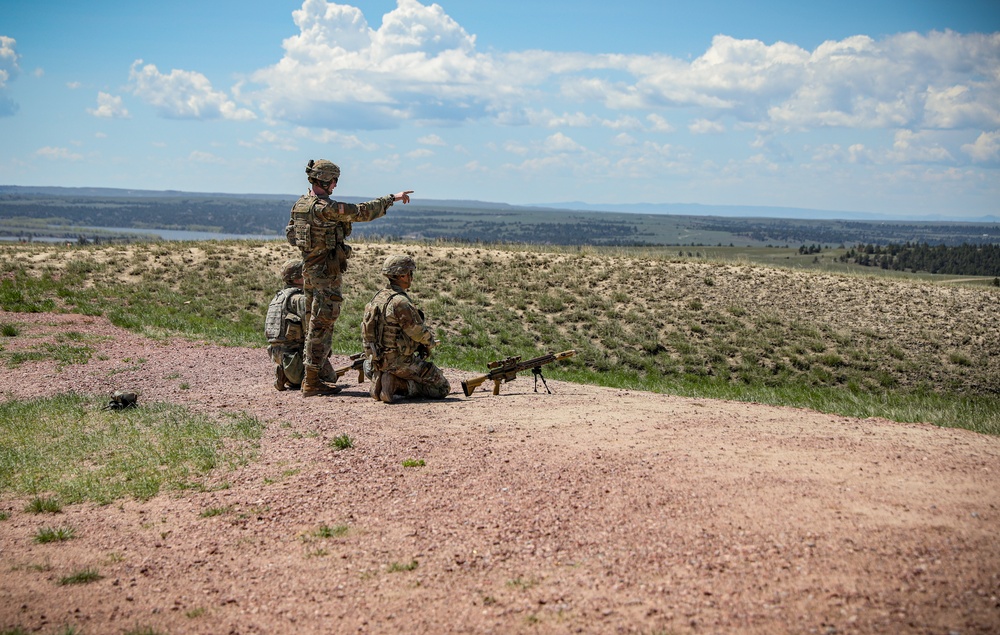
<point>590,510</point>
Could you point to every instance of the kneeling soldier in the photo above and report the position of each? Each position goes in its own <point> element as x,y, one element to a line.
<point>397,342</point>
<point>284,327</point>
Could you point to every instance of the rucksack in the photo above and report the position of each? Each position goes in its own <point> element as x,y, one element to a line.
<point>278,315</point>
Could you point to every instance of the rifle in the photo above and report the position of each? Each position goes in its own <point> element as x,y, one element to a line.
<point>357,363</point>
<point>507,369</point>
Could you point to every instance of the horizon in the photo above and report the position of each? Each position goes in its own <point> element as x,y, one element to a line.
<point>887,110</point>
<point>659,209</point>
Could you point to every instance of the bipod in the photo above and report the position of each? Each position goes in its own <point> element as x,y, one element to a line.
<point>537,372</point>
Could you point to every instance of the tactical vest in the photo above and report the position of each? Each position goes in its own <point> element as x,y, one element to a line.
<point>281,325</point>
<point>309,234</point>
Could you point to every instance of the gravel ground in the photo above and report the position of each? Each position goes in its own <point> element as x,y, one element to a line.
<point>590,510</point>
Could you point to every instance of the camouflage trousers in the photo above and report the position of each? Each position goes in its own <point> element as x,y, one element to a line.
<point>290,360</point>
<point>423,379</point>
<point>323,304</point>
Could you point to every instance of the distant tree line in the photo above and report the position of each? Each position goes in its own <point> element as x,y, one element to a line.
<point>962,260</point>
<point>837,232</point>
<point>213,214</point>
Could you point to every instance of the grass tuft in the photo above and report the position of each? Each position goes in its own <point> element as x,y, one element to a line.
<point>85,576</point>
<point>342,442</point>
<point>215,511</point>
<point>326,531</point>
<point>402,566</point>
<point>54,534</point>
<point>40,505</point>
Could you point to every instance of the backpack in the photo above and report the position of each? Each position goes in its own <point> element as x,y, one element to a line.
<point>278,316</point>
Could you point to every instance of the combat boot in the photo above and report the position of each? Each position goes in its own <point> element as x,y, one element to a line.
<point>279,377</point>
<point>388,392</point>
<point>375,390</point>
<point>326,372</point>
<point>312,385</point>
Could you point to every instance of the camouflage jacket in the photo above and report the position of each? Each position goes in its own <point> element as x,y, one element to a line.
<point>318,226</point>
<point>402,330</point>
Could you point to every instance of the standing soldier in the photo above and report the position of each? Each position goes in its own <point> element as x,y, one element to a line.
<point>397,342</point>
<point>318,227</point>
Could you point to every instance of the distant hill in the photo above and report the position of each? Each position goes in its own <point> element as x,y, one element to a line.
<point>754,211</point>
<point>65,212</point>
<point>679,209</point>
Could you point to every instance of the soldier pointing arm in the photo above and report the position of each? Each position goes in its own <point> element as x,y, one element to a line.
<point>319,227</point>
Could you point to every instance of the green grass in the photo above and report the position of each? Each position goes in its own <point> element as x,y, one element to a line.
<point>43,505</point>
<point>414,463</point>
<point>84,576</point>
<point>326,531</point>
<point>738,323</point>
<point>215,511</point>
<point>54,534</point>
<point>68,447</point>
<point>342,442</point>
<point>396,567</point>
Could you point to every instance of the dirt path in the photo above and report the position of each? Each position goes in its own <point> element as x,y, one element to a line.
<point>590,510</point>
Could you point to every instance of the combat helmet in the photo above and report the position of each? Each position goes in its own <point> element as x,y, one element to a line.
<point>292,271</point>
<point>398,265</point>
<point>323,171</point>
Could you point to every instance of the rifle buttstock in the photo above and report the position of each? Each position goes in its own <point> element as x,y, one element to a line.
<point>469,385</point>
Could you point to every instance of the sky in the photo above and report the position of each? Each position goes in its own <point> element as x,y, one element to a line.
<point>880,106</point>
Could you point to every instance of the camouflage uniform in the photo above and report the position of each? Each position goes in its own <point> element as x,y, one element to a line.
<point>288,353</point>
<point>401,343</point>
<point>318,227</point>
<point>285,348</point>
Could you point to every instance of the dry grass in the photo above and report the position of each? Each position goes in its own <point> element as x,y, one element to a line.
<point>652,321</point>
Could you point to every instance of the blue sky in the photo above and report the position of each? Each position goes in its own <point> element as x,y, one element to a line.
<point>890,107</point>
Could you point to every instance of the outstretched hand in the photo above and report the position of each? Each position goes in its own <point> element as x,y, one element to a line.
<point>402,196</point>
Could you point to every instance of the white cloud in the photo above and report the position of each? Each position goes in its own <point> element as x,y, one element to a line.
<point>281,142</point>
<point>516,148</point>
<point>985,149</point>
<point>183,94</point>
<point>560,143</point>
<point>623,139</point>
<point>109,106</point>
<point>420,153</point>
<point>431,140</point>
<point>73,85</point>
<point>917,147</point>
<point>339,73</point>
<point>63,154</point>
<point>9,68</point>
<point>333,137</point>
<point>420,65</point>
<point>197,156</point>
<point>704,126</point>
<point>657,123</point>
